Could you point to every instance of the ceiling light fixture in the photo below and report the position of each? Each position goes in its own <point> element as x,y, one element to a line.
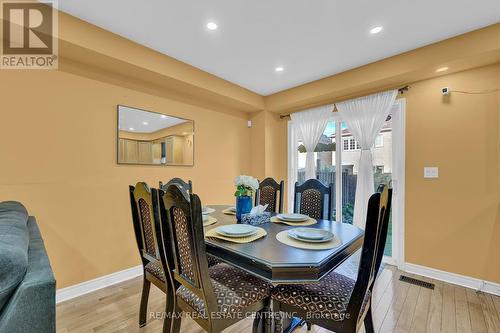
<point>279,69</point>
<point>163,116</point>
<point>442,69</point>
<point>131,129</point>
<point>212,26</point>
<point>145,123</point>
<point>376,30</point>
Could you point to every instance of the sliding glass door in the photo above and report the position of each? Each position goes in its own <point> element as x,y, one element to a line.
<point>337,159</point>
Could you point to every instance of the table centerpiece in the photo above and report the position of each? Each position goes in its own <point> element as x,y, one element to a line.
<point>245,187</point>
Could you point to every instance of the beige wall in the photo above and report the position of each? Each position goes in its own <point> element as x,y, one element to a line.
<point>453,223</point>
<point>58,148</point>
<point>268,148</point>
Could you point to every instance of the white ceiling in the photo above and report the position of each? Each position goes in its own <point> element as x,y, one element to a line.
<point>140,121</point>
<point>310,39</point>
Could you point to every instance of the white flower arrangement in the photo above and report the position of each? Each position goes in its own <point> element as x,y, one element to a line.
<point>245,185</point>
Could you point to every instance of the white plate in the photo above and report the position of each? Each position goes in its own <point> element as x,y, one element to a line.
<point>237,230</point>
<point>293,217</point>
<point>207,210</point>
<point>311,235</point>
<point>205,218</point>
<point>231,209</point>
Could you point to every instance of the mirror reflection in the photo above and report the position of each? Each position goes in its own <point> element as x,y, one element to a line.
<point>153,138</point>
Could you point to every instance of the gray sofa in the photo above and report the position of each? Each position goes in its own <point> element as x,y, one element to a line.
<point>27,284</point>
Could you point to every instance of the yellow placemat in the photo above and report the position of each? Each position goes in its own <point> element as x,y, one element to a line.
<point>211,220</point>
<point>227,211</point>
<point>212,233</point>
<point>311,221</point>
<point>283,237</point>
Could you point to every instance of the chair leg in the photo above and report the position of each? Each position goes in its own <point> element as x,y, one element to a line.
<point>176,320</point>
<point>309,325</point>
<point>268,320</point>
<point>143,310</point>
<point>257,320</point>
<point>276,317</point>
<point>169,315</point>
<point>278,322</point>
<point>369,321</point>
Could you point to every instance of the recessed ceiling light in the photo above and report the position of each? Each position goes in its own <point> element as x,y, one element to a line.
<point>376,30</point>
<point>279,69</point>
<point>442,69</point>
<point>145,123</point>
<point>163,116</point>
<point>131,129</point>
<point>212,26</point>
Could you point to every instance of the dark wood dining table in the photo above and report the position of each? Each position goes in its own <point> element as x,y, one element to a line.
<point>275,262</point>
<point>270,260</point>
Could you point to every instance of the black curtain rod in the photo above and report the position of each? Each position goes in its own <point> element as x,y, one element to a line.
<point>401,90</point>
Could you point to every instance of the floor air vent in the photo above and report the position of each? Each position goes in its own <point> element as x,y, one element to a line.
<point>416,282</point>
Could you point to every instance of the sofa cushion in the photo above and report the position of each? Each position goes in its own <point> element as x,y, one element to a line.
<point>32,305</point>
<point>14,242</point>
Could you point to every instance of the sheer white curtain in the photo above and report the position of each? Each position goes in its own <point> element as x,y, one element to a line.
<point>365,117</point>
<point>310,125</point>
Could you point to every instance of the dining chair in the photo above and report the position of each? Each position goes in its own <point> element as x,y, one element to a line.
<point>179,182</point>
<point>267,194</point>
<point>145,217</point>
<point>216,297</point>
<point>338,303</point>
<point>314,198</point>
<point>188,188</point>
<point>350,266</point>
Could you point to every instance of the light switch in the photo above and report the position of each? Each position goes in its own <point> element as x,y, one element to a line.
<point>431,172</point>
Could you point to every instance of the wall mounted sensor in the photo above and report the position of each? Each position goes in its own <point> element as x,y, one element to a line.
<point>445,91</point>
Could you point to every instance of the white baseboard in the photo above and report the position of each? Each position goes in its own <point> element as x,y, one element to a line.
<point>461,280</point>
<point>86,287</point>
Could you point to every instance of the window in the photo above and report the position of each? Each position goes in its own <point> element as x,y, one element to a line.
<point>351,144</point>
<point>379,141</point>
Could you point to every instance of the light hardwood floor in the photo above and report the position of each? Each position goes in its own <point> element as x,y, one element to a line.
<point>397,307</point>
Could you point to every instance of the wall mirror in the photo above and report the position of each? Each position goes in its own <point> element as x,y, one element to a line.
<point>152,138</point>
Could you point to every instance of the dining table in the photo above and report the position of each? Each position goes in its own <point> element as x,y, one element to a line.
<point>278,263</point>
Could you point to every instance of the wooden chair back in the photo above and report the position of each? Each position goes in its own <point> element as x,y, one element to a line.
<point>141,202</point>
<point>315,198</point>
<point>187,186</point>
<point>267,194</point>
<point>385,226</point>
<point>184,223</point>
<point>378,208</point>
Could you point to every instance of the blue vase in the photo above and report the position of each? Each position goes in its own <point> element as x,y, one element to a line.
<point>243,206</point>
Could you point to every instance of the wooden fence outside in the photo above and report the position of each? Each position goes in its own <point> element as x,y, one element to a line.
<point>327,177</point>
